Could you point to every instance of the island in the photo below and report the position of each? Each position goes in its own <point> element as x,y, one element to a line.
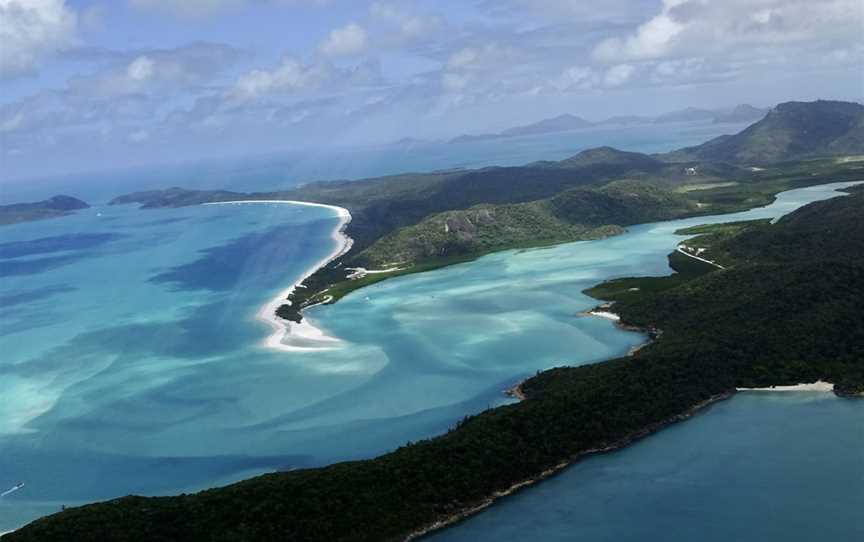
<point>50,208</point>
<point>751,305</point>
<point>784,310</point>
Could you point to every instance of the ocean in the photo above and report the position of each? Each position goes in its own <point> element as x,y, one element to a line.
<point>132,360</point>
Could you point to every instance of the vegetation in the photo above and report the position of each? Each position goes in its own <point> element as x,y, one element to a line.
<point>625,289</point>
<point>459,236</point>
<point>790,131</point>
<point>426,221</point>
<point>175,197</point>
<point>50,208</point>
<point>777,317</point>
<point>575,214</point>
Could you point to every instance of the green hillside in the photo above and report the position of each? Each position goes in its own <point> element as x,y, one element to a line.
<point>572,215</point>
<point>790,131</point>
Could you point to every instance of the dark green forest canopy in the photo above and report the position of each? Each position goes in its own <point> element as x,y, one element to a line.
<point>784,319</point>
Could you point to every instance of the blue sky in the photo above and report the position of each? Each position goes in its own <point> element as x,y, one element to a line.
<point>98,84</point>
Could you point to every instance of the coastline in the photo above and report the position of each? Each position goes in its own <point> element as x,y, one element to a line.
<point>819,385</point>
<point>610,447</point>
<point>305,336</point>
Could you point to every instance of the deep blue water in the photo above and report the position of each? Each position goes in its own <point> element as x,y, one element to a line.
<point>762,466</point>
<point>131,358</point>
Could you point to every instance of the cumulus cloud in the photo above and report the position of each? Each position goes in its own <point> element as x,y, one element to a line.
<point>618,75</point>
<point>134,88</point>
<point>469,68</point>
<point>158,70</point>
<point>31,30</point>
<point>410,25</point>
<point>692,27</point>
<point>351,39</point>
<point>140,69</point>
<point>290,76</point>
<point>293,77</point>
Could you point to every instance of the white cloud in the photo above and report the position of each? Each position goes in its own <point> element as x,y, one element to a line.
<point>618,75</point>
<point>410,25</point>
<point>481,58</point>
<point>290,76</point>
<point>693,27</point>
<point>140,69</point>
<point>139,136</point>
<point>159,70</point>
<point>348,40</point>
<point>463,58</point>
<point>576,78</point>
<point>12,123</point>
<point>31,30</point>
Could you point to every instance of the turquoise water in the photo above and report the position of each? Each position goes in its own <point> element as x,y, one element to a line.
<point>762,466</point>
<point>131,360</point>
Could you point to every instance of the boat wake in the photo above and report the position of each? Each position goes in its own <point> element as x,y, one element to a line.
<point>12,490</point>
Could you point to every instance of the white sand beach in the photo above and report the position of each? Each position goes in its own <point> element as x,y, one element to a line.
<point>290,336</point>
<point>819,385</point>
<point>605,314</point>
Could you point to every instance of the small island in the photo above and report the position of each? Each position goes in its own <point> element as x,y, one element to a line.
<point>50,208</point>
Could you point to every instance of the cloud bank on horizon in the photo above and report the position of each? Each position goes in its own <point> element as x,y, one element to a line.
<point>96,84</point>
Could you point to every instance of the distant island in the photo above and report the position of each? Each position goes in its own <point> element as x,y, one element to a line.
<point>40,210</point>
<point>567,122</point>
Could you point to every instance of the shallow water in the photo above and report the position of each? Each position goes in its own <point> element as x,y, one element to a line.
<point>130,359</point>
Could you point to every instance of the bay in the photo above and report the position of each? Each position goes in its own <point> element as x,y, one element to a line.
<point>131,358</point>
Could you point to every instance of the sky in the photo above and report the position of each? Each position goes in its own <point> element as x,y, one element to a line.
<point>88,85</point>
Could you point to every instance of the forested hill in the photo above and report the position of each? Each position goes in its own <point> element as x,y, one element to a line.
<point>385,204</point>
<point>757,323</point>
<point>790,131</point>
<point>49,208</point>
<point>575,214</point>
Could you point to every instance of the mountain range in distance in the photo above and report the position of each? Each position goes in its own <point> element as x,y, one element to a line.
<point>566,122</point>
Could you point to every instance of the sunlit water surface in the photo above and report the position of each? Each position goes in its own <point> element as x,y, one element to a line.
<point>131,361</point>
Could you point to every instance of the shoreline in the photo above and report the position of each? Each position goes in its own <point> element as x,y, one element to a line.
<point>555,469</point>
<point>305,336</point>
<point>819,385</point>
